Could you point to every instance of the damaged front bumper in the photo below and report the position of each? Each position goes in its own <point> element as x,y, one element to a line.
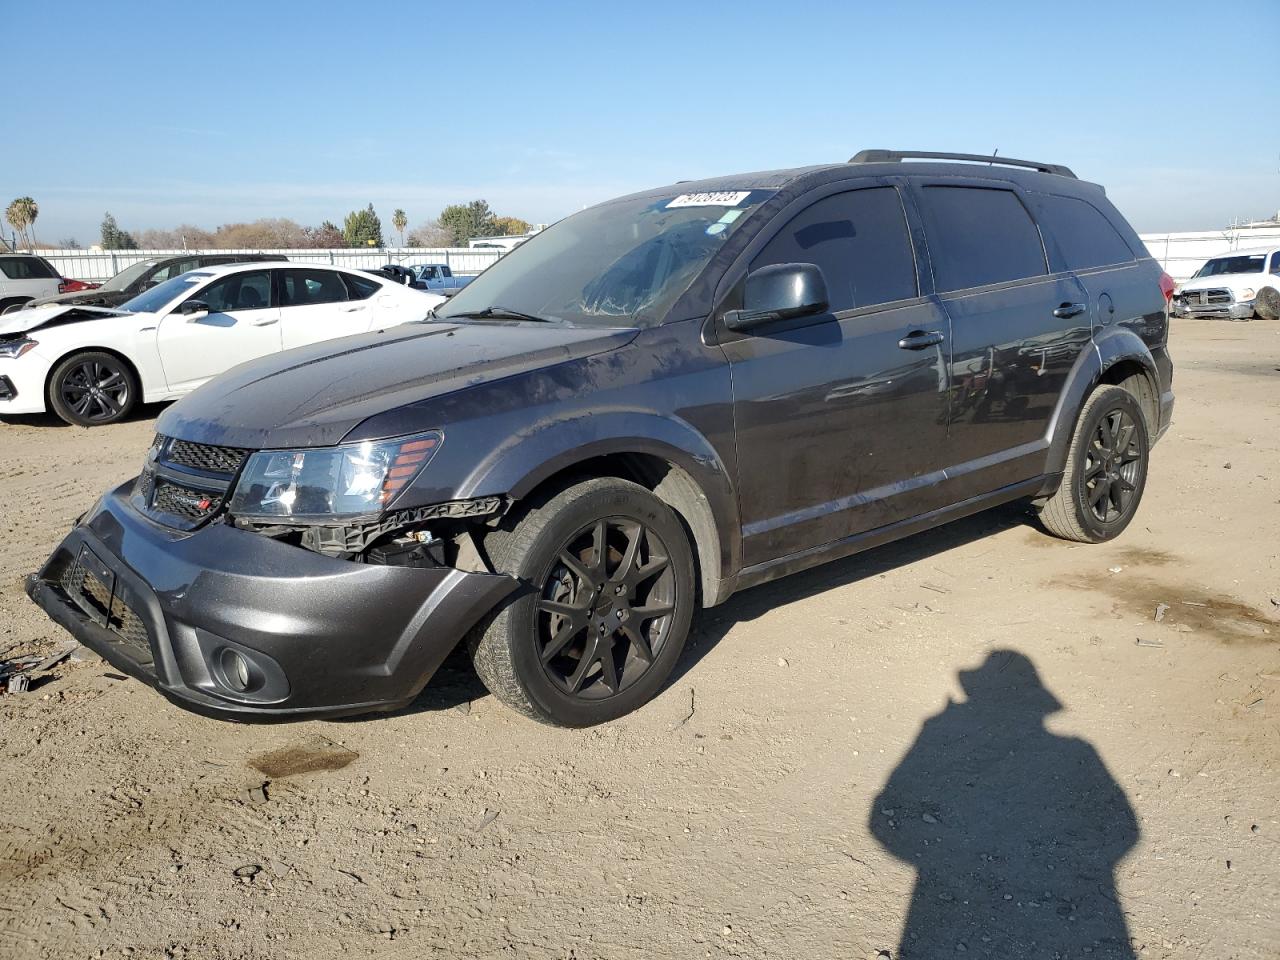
<point>233,624</point>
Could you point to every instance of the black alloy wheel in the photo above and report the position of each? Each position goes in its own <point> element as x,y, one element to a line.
<point>604,608</point>
<point>92,389</point>
<point>1112,467</point>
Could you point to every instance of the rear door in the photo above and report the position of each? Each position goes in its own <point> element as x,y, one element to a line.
<point>316,305</point>
<point>840,417</point>
<point>243,323</point>
<point>1017,330</point>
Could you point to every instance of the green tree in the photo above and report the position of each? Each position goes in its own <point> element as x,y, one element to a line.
<point>113,238</point>
<point>21,214</point>
<point>362,228</point>
<point>400,220</point>
<point>464,221</point>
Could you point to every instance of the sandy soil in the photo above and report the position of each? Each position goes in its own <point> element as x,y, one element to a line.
<point>979,741</point>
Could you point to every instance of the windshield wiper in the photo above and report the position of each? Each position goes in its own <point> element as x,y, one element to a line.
<point>498,313</point>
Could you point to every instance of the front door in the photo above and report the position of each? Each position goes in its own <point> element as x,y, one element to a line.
<point>841,419</point>
<point>242,324</point>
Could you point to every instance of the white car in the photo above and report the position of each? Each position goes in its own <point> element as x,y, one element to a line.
<point>90,365</point>
<point>24,277</point>
<point>1235,286</point>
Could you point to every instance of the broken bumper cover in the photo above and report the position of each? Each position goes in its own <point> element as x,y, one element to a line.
<point>233,624</point>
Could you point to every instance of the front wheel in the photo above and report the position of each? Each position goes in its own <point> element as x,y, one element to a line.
<point>1266,306</point>
<point>93,389</point>
<point>1106,470</point>
<point>609,573</point>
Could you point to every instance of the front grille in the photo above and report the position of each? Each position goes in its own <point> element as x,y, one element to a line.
<point>92,596</point>
<point>205,457</point>
<point>188,503</point>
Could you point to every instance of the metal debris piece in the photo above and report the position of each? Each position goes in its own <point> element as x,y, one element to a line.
<point>1161,610</point>
<point>1149,643</point>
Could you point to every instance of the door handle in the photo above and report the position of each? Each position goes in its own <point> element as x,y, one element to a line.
<point>353,309</point>
<point>1068,310</point>
<point>266,323</point>
<point>919,339</point>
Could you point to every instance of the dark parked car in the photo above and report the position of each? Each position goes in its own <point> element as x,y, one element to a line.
<point>652,404</point>
<point>144,274</point>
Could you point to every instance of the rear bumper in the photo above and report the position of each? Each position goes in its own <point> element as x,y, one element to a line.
<point>317,637</point>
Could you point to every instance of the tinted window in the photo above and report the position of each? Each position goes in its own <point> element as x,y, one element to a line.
<point>26,268</point>
<point>301,288</point>
<point>978,236</point>
<point>860,241</point>
<point>361,288</point>
<point>175,269</point>
<point>1085,237</point>
<point>1275,263</point>
<point>238,291</point>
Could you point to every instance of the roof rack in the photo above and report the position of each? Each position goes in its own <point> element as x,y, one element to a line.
<point>897,156</point>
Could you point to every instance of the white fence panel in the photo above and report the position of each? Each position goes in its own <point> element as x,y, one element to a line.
<point>101,265</point>
<point>1182,254</point>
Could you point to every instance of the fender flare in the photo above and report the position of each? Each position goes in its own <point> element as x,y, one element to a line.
<point>1109,347</point>
<point>525,460</point>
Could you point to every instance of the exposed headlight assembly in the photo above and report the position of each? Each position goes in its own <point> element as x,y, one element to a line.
<point>327,483</point>
<point>1246,294</point>
<point>12,349</point>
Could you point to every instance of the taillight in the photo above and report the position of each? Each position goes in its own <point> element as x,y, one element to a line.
<point>1166,286</point>
<point>63,286</point>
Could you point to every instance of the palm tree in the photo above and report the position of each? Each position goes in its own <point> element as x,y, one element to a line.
<point>400,221</point>
<point>21,215</point>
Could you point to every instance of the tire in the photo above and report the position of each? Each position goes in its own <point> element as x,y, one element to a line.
<point>92,389</point>
<point>583,645</point>
<point>1266,306</point>
<point>1105,453</point>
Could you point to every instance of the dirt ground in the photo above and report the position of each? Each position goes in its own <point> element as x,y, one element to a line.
<point>980,741</point>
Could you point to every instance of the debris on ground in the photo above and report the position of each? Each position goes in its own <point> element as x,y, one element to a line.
<point>1149,643</point>
<point>488,818</point>
<point>1161,610</point>
<point>16,675</point>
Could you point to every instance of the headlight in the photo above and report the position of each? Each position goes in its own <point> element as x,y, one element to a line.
<point>353,480</point>
<point>1246,294</point>
<point>12,349</point>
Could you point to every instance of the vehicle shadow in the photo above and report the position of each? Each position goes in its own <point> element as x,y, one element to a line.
<point>456,684</point>
<point>1013,831</point>
<point>143,411</point>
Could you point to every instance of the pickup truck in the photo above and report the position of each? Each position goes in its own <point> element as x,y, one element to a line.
<point>438,277</point>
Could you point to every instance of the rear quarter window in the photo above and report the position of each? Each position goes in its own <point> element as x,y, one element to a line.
<point>979,235</point>
<point>1084,237</point>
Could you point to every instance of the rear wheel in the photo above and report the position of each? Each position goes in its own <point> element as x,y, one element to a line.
<point>607,612</point>
<point>14,305</point>
<point>1266,306</point>
<point>1106,470</point>
<point>92,389</point>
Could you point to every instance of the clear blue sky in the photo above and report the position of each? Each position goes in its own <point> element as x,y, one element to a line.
<point>232,111</point>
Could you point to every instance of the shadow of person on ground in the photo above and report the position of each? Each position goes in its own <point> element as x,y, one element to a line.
<point>1014,832</point>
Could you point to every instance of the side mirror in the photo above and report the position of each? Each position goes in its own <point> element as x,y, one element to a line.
<point>781,291</point>
<point>193,310</point>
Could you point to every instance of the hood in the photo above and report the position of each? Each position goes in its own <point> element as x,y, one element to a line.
<point>1232,281</point>
<point>92,298</point>
<point>315,395</point>
<point>34,318</point>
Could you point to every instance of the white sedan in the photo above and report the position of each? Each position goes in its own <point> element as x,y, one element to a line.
<point>91,365</point>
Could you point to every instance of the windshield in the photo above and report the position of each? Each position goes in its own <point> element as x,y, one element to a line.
<point>1242,264</point>
<point>619,264</point>
<point>153,300</point>
<point>128,275</point>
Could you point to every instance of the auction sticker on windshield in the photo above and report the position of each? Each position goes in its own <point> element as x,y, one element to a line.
<point>720,199</point>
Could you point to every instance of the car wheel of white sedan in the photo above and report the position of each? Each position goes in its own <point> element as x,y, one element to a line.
<point>92,389</point>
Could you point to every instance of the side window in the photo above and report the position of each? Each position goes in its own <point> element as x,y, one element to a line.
<point>361,288</point>
<point>237,291</point>
<point>1085,237</point>
<point>861,242</point>
<point>26,268</point>
<point>301,288</point>
<point>980,235</point>
<point>175,269</point>
<point>1275,263</point>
